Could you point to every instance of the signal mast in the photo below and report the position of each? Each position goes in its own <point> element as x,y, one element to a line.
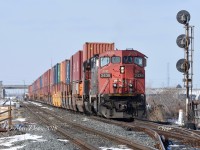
<point>185,65</point>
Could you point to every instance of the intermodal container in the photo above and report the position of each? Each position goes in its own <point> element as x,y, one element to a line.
<point>58,72</point>
<point>77,64</point>
<point>37,84</point>
<point>55,74</point>
<point>30,90</point>
<point>90,49</point>
<point>71,68</point>
<point>68,72</point>
<point>46,81</point>
<point>63,71</point>
<point>56,77</point>
<point>41,82</point>
<point>51,79</point>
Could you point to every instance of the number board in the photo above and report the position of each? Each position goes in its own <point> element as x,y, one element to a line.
<point>139,75</point>
<point>105,75</point>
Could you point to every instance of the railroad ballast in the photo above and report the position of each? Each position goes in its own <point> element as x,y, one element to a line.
<point>96,80</point>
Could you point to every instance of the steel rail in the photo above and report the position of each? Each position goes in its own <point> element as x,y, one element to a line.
<point>118,139</point>
<point>187,136</point>
<point>149,131</point>
<point>77,141</point>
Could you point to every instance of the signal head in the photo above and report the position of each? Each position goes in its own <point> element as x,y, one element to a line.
<point>182,41</point>
<point>183,17</point>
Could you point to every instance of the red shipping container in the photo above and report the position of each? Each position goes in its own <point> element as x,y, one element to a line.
<point>71,68</point>
<point>63,71</point>
<point>77,64</point>
<point>90,49</point>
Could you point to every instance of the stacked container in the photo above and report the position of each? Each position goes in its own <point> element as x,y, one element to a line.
<point>30,90</point>
<point>68,72</point>
<point>76,63</point>
<point>90,49</point>
<point>63,71</point>
<point>46,83</point>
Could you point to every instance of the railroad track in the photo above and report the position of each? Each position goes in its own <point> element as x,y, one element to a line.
<point>185,136</point>
<point>80,142</point>
<point>159,144</point>
<point>77,141</point>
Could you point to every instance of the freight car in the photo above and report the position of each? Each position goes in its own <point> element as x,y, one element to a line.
<point>96,80</point>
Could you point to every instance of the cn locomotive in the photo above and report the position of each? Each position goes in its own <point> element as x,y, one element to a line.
<point>97,80</point>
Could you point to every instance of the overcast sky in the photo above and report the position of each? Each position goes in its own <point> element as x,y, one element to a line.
<point>36,33</point>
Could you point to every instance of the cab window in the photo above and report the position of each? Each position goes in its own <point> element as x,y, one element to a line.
<point>115,59</point>
<point>128,59</point>
<point>104,61</point>
<point>138,61</point>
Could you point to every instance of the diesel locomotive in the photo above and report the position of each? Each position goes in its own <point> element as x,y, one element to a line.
<point>97,80</point>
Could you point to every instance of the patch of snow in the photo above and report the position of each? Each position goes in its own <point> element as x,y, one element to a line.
<point>47,108</point>
<point>35,103</point>
<point>9,141</point>
<point>2,103</point>
<point>20,119</point>
<point>85,119</point>
<point>121,147</point>
<point>14,147</point>
<point>62,140</point>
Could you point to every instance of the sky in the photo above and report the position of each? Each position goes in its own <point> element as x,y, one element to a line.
<point>36,34</point>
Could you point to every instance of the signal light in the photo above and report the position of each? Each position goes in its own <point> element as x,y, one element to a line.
<point>182,41</point>
<point>183,17</point>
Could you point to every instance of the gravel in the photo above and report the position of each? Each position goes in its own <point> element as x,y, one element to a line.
<point>33,136</point>
<point>47,139</point>
<point>138,137</point>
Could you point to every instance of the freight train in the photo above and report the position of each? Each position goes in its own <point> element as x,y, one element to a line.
<point>98,80</point>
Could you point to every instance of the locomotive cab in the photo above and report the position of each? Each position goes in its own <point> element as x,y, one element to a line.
<point>118,84</point>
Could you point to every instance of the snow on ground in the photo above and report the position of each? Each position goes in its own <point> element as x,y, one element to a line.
<point>20,119</point>
<point>11,140</point>
<point>85,119</point>
<point>62,140</point>
<point>14,148</point>
<point>35,103</point>
<point>121,147</point>
<point>25,102</point>
<point>7,103</point>
<point>47,108</point>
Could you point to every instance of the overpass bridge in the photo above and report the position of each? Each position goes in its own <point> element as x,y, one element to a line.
<point>14,86</point>
<point>8,87</point>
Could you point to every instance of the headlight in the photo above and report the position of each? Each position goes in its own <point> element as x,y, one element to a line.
<point>122,69</point>
<point>131,85</point>
<point>114,85</point>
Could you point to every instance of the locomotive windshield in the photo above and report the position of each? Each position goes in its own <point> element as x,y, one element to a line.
<point>136,60</point>
<point>115,59</point>
<point>128,59</point>
<point>104,61</point>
